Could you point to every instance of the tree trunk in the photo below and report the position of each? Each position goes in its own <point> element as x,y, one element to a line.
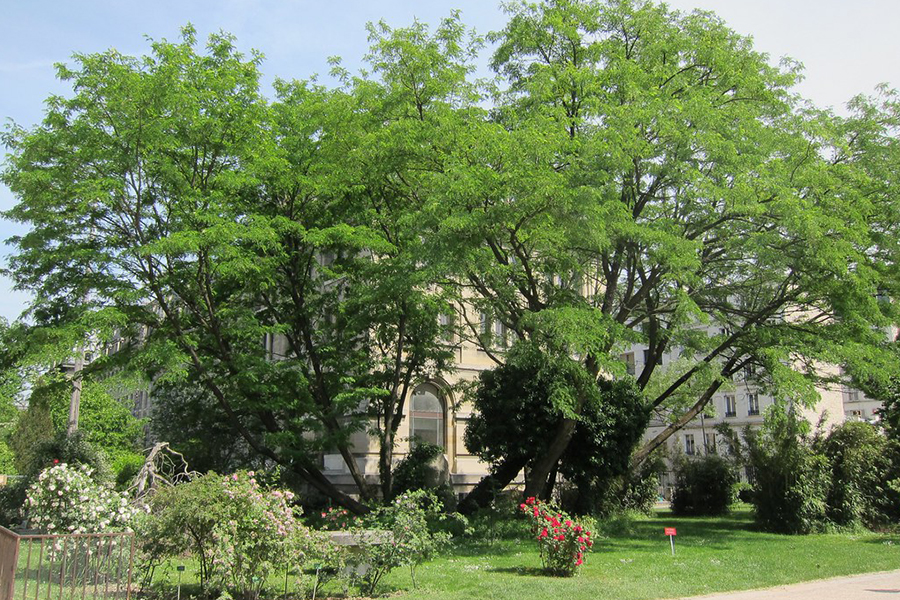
<point>641,455</point>
<point>385,463</point>
<point>349,460</point>
<point>551,483</point>
<point>540,472</point>
<point>489,486</point>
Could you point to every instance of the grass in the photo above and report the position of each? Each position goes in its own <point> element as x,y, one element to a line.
<point>633,561</point>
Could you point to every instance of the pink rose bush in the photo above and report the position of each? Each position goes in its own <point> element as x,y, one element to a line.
<point>562,541</point>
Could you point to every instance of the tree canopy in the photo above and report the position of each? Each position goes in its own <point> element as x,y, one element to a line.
<point>632,175</point>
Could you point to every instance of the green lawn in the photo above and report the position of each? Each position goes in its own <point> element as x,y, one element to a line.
<point>635,562</point>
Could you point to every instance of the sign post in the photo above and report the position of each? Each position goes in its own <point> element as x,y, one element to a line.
<point>671,532</point>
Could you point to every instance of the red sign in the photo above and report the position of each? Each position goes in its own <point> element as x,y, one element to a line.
<point>671,531</point>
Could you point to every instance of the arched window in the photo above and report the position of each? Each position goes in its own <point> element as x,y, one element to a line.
<point>426,412</point>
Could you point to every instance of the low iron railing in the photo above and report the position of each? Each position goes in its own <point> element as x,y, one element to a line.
<point>86,566</point>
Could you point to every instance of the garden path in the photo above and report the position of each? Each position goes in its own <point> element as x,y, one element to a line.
<point>856,587</point>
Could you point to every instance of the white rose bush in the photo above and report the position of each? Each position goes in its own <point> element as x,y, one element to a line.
<point>65,499</point>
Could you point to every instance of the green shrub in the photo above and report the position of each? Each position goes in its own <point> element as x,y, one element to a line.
<point>860,459</point>
<point>417,472</point>
<point>743,491</point>
<point>125,467</point>
<point>703,486</point>
<point>238,532</point>
<point>791,480</point>
<point>399,535</point>
<point>62,448</point>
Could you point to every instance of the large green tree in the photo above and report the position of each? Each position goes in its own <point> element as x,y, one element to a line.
<point>645,176</point>
<point>633,175</point>
<point>218,236</point>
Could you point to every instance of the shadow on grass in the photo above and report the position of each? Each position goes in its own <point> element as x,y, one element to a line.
<point>619,534</point>
<point>525,571</point>
<point>884,539</point>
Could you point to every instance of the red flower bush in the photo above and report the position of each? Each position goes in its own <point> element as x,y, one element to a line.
<point>562,542</point>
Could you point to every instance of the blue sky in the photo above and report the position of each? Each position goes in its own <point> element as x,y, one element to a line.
<point>846,47</point>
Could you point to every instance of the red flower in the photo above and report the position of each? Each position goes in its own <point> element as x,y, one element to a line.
<point>530,500</point>
<point>544,533</point>
<point>55,461</point>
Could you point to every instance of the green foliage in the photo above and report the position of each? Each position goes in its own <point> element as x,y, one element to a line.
<point>238,532</point>
<point>417,472</point>
<point>645,175</point>
<point>182,519</point>
<point>189,418</point>
<point>790,478</point>
<point>266,221</point>
<point>633,174</point>
<point>863,462</point>
<point>704,486</point>
<point>105,422</point>
<point>106,425</point>
<point>521,403</point>
<point>636,491</point>
<point>398,535</point>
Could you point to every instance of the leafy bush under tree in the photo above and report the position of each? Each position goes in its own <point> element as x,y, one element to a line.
<point>703,486</point>
<point>862,464</point>
<point>519,405</point>
<point>398,534</point>
<point>791,479</point>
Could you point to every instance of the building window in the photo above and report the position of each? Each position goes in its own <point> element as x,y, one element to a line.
<point>851,395</point>
<point>484,331</point>
<point>689,447</point>
<point>628,359</point>
<point>749,371</point>
<point>711,443</point>
<point>752,404</point>
<point>426,414</point>
<point>730,408</point>
<point>447,322</point>
<point>500,338</point>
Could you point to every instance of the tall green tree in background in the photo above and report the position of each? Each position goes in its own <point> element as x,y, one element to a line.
<point>632,175</point>
<point>105,422</point>
<point>646,176</point>
<point>172,206</point>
